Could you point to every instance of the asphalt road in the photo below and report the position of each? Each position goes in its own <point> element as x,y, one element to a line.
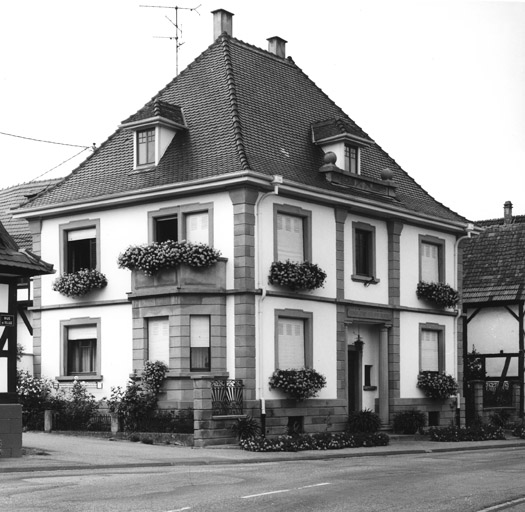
<point>487,480</point>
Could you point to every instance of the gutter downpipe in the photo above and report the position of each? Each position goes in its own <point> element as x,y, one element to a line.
<point>469,229</point>
<point>277,180</point>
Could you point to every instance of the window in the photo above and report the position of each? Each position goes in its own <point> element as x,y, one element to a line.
<point>292,236</point>
<point>200,343</point>
<point>368,375</point>
<point>364,251</point>
<point>431,348</point>
<point>431,260</point>
<point>158,339</point>
<point>81,348</point>
<point>351,159</point>
<point>166,228</point>
<point>146,147</point>
<point>80,247</point>
<point>197,227</point>
<point>293,339</point>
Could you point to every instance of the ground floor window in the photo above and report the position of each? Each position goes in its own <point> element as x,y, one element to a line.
<point>293,339</point>
<point>81,347</point>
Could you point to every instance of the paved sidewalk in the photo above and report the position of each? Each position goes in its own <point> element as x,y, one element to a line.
<point>48,452</point>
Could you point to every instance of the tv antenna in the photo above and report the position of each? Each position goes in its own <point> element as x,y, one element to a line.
<point>178,30</point>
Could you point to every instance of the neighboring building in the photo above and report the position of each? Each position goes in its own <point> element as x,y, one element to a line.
<point>244,152</point>
<point>493,304</point>
<point>18,229</point>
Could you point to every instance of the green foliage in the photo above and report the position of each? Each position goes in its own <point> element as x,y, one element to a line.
<point>299,384</point>
<point>365,421</point>
<point>409,422</point>
<point>76,405</point>
<point>474,366</point>
<point>519,431</point>
<point>153,375</point>
<point>19,351</point>
<point>457,434</point>
<point>441,294</point>
<point>76,284</point>
<point>499,418</point>
<point>296,276</point>
<point>34,394</point>
<point>437,384</point>
<point>322,441</point>
<point>159,255</point>
<point>245,428</point>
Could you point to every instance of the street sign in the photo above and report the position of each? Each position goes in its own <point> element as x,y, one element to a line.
<point>7,320</point>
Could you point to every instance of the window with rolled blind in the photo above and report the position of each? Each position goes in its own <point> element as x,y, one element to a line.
<point>431,348</point>
<point>290,343</point>
<point>81,350</point>
<point>197,227</point>
<point>81,249</point>
<point>158,339</point>
<point>431,259</point>
<point>290,238</point>
<point>200,342</point>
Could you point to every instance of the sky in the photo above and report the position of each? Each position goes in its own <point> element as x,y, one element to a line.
<point>438,84</point>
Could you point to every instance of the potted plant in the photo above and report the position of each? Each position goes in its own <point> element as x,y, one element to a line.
<point>437,384</point>
<point>298,383</point>
<point>296,276</point>
<point>441,294</point>
<point>76,284</point>
<point>409,422</point>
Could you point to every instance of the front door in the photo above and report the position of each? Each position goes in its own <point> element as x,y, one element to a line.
<point>354,397</point>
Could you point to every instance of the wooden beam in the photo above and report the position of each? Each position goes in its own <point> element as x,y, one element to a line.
<point>23,316</point>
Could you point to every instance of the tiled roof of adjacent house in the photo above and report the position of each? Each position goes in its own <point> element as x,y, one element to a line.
<point>494,263</point>
<point>13,197</point>
<point>244,109</point>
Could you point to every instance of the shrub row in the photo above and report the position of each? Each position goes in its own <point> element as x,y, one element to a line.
<point>457,434</point>
<point>323,441</point>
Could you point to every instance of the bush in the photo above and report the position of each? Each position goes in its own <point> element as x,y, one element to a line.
<point>499,418</point>
<point>437,384</point>
<point>456,434</point>
<point>79,283</point>
<point>245,428</point>
<point>474,366</point>
<point>76,407</point>
<point>299,384</point>
<point>365,421</point>
<point>296,276</point>
<point>519,431</point>
<point>409,422</point>
<point>441,294</point>
<point>322,441</point>
<point>159,255</point>
<point>35,395</point>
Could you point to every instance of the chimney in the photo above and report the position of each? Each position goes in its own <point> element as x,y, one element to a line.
<point>277,46</point>
<point>222,22</point>
<point>507,213</point>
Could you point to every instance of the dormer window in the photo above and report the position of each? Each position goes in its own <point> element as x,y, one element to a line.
<point>351,159</point>
<point>146,147</point>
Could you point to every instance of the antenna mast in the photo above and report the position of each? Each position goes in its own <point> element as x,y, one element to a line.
<point>178,30</point>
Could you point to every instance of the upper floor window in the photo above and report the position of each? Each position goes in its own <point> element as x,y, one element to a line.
<point>364,250</point>
<point>146,147</point>
<point>431,259</point>
<point>80,245</point>
<point>431,348</point>
<point>293,339</point>
<point>351,159</point>
<point>197,227</point>
<point>166,228</point>
<point>292,234</point>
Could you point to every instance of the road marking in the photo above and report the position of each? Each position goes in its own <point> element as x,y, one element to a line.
<point>179,509</point>
<point>284,490</point>
<point>501,506</point>
<point>265,493</point>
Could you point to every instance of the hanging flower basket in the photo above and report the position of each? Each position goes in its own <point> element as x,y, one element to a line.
<point>76,284</point>
<point>440,294</point>
<point>160,255</point>
<point>299,384</point>
<point>296,276</point>
<point>437,384</point>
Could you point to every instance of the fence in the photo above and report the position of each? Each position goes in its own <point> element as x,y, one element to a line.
<point>227,397</point>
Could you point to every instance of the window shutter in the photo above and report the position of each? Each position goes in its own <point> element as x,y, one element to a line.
<point>429,351</point>
<point>290,238</point>
<point>159,339</point>
<point>290,344</point>
<point>197,228</point>
<point>199,331</point>
<point>429,263</point>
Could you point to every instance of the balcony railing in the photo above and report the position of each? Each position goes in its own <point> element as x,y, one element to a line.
<point>227,397</point>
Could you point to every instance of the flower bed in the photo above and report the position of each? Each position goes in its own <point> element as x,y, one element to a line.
<point>296,276</point>
<point>299,384</point>
<point>76,284</point>
<point>324,441</point>
<point>437,384</point>
<point>159,255</point>
<point>441,294</point>
<point>457,434</point>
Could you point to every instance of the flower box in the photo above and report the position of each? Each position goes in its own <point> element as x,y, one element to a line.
<point>296,276</point>
<point>78,284</point>
<point>440,294</point>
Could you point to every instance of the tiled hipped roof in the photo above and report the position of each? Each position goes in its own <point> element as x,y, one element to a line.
<point>244,109</point>
<point>494,264</point>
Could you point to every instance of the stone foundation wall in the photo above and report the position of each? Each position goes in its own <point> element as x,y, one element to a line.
<point>440,413</point>
<point>11,430</point>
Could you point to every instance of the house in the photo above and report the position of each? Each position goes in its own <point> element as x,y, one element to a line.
<point>493,305</point>
<point>243,152</point>
<point>18,229</point>
<point>15,264</point>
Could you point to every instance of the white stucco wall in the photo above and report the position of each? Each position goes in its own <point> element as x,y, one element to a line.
<point>409,349</point>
